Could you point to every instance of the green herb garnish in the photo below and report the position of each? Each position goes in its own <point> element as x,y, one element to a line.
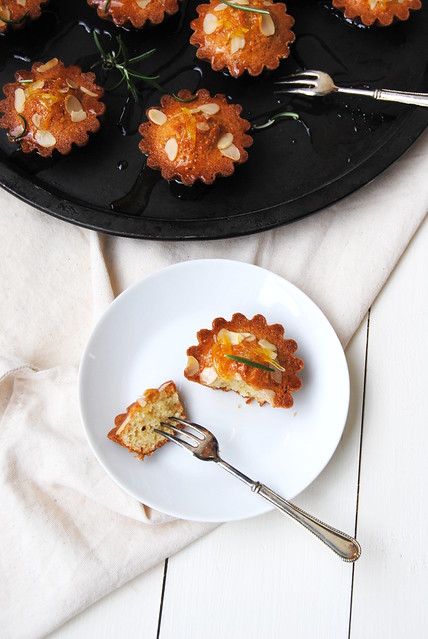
<point>28,81</point>
<point>24,130</point>
<point>243,7</point>
<point>15,21</point>
<point>185,100</point>
<point>274,118</point>
<point>250,362</point>
<point>120,61</point>
<point>106,6</point>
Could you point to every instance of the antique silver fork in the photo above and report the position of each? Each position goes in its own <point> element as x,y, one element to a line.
<point>318,83</point>
<point>203,444</point>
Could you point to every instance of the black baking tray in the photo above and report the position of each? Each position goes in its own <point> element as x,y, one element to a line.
<point>294,168</point>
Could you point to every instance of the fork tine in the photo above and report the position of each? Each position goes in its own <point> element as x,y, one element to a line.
<point>294,82</point>
<point>197,427</point>
<point>179,432</point>
<point>176,440</point>
<point>301,91</point>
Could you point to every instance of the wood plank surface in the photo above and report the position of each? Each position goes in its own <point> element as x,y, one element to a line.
<point>391,584</point>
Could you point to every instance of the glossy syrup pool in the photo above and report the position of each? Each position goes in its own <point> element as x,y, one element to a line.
<point>107,184</point>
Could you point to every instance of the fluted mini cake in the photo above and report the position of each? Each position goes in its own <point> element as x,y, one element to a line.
<point>254,36</point>
<point>197,139</point>
<point>15,14</point>
<point>134,12</point>
<point>51,107</point>
<point>248,356</point>
<point>377,12</point>
<point>134,429</point>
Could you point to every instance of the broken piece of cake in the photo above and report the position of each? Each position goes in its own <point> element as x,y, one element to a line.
<point>14,14</point>
<point>248,356</point>
<point>51,107</point>
<point>134,429</point>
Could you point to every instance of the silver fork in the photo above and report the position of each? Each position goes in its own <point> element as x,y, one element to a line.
<point>318,83</point>
<point>203,444</point>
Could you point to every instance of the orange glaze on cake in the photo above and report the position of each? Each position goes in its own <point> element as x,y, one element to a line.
<point>134,12</point>
<point>195,140</point>
<point>16,13</point>
<point>238,39</point>
<point>217,360</point>
<point>51,107</point>
<point>377,12</point>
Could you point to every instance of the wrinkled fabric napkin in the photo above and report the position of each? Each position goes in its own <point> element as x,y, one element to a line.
<point>68,534</point>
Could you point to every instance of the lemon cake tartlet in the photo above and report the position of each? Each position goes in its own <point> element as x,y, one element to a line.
<point>15,14</point>
<point>247,356</point>
<point>195,139</point>
<point>51,107</point>
<point>377,12</point>
<point>134,429</point>
<point>253,35</point>
<point>134,12</point>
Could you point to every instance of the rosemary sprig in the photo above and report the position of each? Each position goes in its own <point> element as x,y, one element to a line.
<point>250,362</point>
<point>243,7</point>
<point>274,118</point>
<point>120,61</point>
<point>24,130</point>
<point>15,21</point>
<point>106,6</point>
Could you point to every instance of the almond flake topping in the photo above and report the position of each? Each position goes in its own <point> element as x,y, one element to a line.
<point>267,26</point>
<point>157,117</point>
<point>210,23</point>
<point>237,43</point>
<point>143,3</point>
<point>44,138</point>
<point>88,92</point>
<point>48,66</point>
<point>231,152</point>
<point>74,109</point>
<point>19,100</point>
<point>171,149</point>
<point>225,141</point>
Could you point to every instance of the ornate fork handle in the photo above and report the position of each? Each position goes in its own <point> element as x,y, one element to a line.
<point>343,545</point>
<point>418,99</point>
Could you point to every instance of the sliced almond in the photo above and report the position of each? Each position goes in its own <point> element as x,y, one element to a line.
<point>44,138</point>
<point>74,107</point>
<point>157,117</point>
<point>225,141</point>
<point>248,337</point>
<point>211,108</point>
<point>64,89</point>
<point>203,126</point>
<point>35,86</point>
<point>220,7</point>
<point>208,376</point>
<point>210,23</point>
<point>192,365</point>
<point>264,343</point>
<point>71,83</point>
<point>143,3</point>
<point>267,26</point>
<point>171,149</point>
<point>48,65</point>
<point>19,100</point>
<point>21,3</point>
<point>241,2</point>
<point>237,43</point>
<point>231,152</point>
<point>92,94</point>
<point>229,337</point>
<point>5,13</point>
<point>37,120</point>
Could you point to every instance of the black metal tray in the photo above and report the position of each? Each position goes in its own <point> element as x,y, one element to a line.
<point>294,168</point>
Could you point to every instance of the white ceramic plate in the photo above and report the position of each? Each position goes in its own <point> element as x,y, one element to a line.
<point>141,341</point>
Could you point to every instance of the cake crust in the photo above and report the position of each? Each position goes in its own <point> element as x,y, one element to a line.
<point>134,428</point>
<point>51,107</point>
<point>248,356</point>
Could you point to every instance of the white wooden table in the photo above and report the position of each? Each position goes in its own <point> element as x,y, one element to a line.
<point>267,577</point>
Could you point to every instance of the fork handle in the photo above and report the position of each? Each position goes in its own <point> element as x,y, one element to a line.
<point>418,99</point>
<point>343,545</point>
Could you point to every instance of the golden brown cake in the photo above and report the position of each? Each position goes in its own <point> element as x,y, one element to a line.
<point>240,39</point>
<point>195,140</point>
<point>51,107</point>
<point>247,356</point>
<point>134,12</point>
<point>377,12</point>
<point>134,429</point>
<point>14,14</point>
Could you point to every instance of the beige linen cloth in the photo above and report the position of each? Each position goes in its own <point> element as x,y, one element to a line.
<point>68,534</point>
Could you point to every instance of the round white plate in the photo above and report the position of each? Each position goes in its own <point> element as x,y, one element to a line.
<point>141,342</point>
